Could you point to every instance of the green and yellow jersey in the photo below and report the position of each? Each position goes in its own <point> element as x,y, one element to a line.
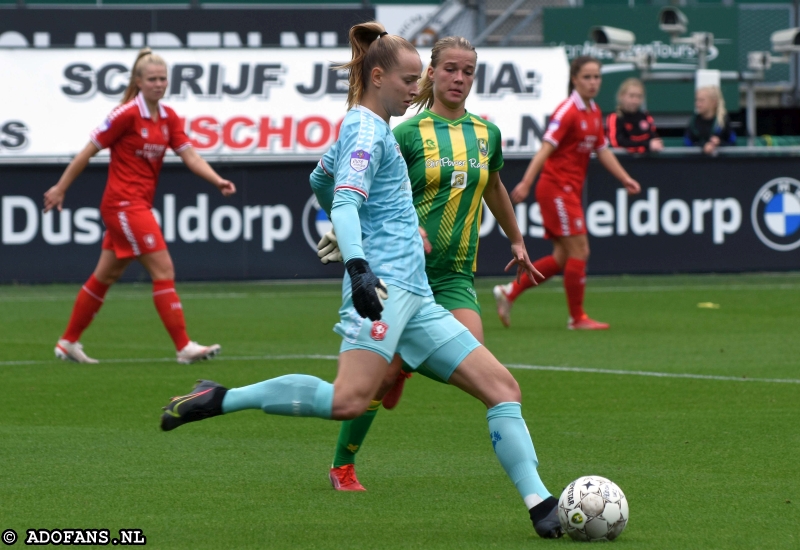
<point>449,162</point>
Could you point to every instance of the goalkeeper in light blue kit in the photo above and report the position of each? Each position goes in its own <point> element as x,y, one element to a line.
<point>387,305</point>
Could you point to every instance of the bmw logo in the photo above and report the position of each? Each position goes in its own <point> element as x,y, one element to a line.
<point>315,222</point>
<point>776,214</point>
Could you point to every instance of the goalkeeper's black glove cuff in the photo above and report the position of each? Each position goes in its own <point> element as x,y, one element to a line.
<point>357,266</point>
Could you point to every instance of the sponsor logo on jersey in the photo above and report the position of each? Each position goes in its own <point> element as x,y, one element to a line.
<point>379,329</point>
<point>105,125</point>
<point>483,147</point>
<point>445,161</point>
<point>359,160</point>
<point>474,163</point>
<point>458,179</point>
<point>776,214</point>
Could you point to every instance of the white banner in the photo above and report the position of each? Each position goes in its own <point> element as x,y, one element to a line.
<point>276,102</point>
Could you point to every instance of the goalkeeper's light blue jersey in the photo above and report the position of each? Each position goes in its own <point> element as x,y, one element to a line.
<point>366,160</point>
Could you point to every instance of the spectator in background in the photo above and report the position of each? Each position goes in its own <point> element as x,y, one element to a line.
<point>630,126</point>
<point>710,126</point>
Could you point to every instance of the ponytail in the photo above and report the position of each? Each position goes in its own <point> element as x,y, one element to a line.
<point>145,57</point>
<point>371,46</point>
<point>425,97</point>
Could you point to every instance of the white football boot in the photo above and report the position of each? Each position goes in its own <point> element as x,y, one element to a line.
<point>193,352</point>
<point>72,351</point>
<point>503,303</point>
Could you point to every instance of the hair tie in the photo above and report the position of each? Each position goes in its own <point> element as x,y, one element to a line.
<point>382,34</point>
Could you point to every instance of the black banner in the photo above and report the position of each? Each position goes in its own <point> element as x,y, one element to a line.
<point>695,214</point>
<point>159,28</point>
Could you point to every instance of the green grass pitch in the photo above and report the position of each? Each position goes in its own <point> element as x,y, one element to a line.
<point>705,462</point>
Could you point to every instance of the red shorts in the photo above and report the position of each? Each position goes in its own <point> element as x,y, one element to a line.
<point>562,212</point>
<point>131,233</point>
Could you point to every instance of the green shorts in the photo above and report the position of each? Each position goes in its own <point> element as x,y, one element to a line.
<point>454,291</point>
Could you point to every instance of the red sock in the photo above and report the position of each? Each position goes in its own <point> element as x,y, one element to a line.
<point>575,284</point>
<point>171,311</point>
<point>88,302</point>
<point>547,266</point>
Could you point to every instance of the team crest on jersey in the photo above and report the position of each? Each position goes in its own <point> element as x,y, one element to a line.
<point>483,147</point>
<point>458,179</point>
<point>584,126</point>
<point>430,144</point>
<point>165,131</point>
<point>379,329</point>
<point>644,125</point>
<point>359,160</point>
<point>150,240</point>
<point>144,133</point>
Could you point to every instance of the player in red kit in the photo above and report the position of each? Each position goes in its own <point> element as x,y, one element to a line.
<point>574,132</point>
<point>138,133</point>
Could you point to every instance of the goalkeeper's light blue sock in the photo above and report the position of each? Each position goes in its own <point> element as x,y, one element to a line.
<point>290,395</point>
<point>514,449</point>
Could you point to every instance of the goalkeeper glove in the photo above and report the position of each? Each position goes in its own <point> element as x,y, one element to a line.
<point>368,290</point>
<point>328,248</point>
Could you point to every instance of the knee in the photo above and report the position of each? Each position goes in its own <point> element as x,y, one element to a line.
<point>348,410</point>
<point>505,390</point>
<point>580,253</point>
<point>560,256</point>
<point>510,390</point>
<point>349,402</point>
<point>109,277</point>
<point>166,272</point>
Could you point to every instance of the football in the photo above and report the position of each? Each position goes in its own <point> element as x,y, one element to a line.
<point>593,508</point>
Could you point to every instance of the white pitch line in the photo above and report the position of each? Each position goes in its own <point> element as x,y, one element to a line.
<point>509,365</point>
<point>554,289</point>
<point>172,359</point>
<point>656,374</point>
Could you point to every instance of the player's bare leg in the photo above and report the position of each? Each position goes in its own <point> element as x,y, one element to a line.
<point>88,302</point>
<point>358,378</point>
<point>161,269</point>
<point>352,433</point>
<point>483,377</point>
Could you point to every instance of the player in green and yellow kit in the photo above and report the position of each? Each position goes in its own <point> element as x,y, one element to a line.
<point>453,160</point>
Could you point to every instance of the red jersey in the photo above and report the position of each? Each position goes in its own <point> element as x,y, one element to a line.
<point>137,144</point>
<point>575,130</point>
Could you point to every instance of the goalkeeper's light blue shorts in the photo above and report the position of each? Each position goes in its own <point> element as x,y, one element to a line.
<point>414,326</point>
